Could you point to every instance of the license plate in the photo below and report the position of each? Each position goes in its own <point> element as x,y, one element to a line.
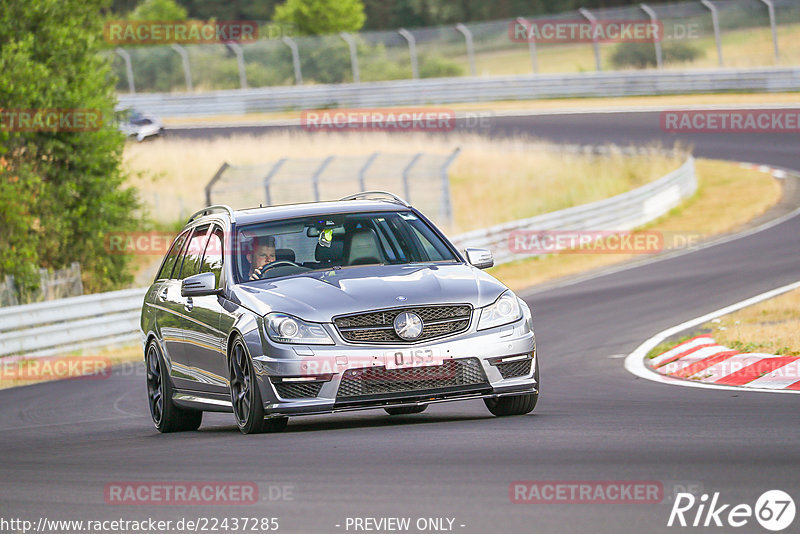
<point>398,359</point>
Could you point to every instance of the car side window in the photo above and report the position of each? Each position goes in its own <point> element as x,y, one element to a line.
<point>172,256</point>
<point>193,253</point>
<point>430,250</point>
<point>212,259</point>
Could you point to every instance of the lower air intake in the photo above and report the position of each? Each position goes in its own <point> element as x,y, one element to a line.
<point>515,369</point>
<point>298,390</point>
<point>379,380</point>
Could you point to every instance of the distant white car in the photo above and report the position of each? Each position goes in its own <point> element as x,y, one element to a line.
<point>141,125</point>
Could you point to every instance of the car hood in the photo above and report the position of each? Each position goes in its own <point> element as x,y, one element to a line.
<point>319,296</point>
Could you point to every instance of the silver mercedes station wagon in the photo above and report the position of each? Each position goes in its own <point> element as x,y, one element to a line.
<point>329,306</point>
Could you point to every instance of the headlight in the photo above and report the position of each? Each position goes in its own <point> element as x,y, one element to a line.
<point>287,329</point>
<point>504,310</point>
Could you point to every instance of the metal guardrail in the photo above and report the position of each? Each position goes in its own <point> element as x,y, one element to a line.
<point>619,213</point>
<point>56,327</point>
<point>59,326</point>
<point>452,90</point>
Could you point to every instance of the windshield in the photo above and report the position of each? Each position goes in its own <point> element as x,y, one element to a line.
<point>295,246</point>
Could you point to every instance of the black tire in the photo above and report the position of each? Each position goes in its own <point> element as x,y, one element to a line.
<point>406,410</point>
<point>248,408</point>
<point>512,405</point>
<point>167,417</point>
<point>515,404</point>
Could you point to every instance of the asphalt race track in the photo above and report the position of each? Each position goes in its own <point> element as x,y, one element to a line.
<point>63,442</point>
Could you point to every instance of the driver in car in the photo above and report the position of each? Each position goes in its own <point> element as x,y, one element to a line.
<point>263,254</point>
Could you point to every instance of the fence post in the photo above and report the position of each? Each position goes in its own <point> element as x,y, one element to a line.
<point>351,43</point>
<point>447,206</point>
<point>715,22</point>
<point>470,47</point>
<point>187,71</point>
<point>78,283</point>
<point>656,42</point>
<point>8,292</point>
<point>268,178</point>
<point>298,74</point>
<point>362,172</point>
<point>406,171</point>
<point>126,57</point>
<point>771,10</point>
<point>591,18</point>
<point>531,44</point>
<point>317,174</point>
<point>412,51</point>
<point>214,180</point>
<point>44,285</point>
<point>239,63</point>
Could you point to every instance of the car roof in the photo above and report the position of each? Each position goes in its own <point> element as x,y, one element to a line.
<point>289,211</point>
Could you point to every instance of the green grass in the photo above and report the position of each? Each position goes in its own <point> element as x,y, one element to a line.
<point>664,346</point>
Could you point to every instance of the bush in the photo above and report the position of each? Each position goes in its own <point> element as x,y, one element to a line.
<point>643,55</point>
<point>432,66</point>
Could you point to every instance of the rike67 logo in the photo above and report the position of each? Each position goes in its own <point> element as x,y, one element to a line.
<point>774,510</point>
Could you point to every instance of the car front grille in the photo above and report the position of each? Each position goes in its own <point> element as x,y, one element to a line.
<point>298,390</point>
<point>379,380</point>
<point>378,326</point>
<point>515,369</point>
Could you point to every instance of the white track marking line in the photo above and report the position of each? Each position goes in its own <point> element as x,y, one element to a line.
<point>683,347</point>
<point>731,365</point>
<point>635,365</point>
<point>679,365</point>
<point>780,377</point>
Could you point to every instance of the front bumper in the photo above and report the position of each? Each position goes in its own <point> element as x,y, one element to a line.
<point>319,371</point>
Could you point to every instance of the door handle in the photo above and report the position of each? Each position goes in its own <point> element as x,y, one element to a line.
<point>189,304</point>
<point>162,295</point>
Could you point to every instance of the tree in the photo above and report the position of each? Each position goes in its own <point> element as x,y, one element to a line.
<point>159,10</point>
<point>319,17</point>
<point>60,191</point>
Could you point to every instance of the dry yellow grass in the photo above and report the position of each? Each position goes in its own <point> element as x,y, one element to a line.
<point>513,179</point>
<point>772,327</point>
<point>728,196</point>
<point>507,179</point>
<point>750,47</point>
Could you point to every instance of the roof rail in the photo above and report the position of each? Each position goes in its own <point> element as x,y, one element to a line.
<point>217,208</point>
<point>377,195</point>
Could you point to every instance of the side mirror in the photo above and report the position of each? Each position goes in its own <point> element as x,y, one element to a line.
<point>479,257</point>
<point>199,285</point>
